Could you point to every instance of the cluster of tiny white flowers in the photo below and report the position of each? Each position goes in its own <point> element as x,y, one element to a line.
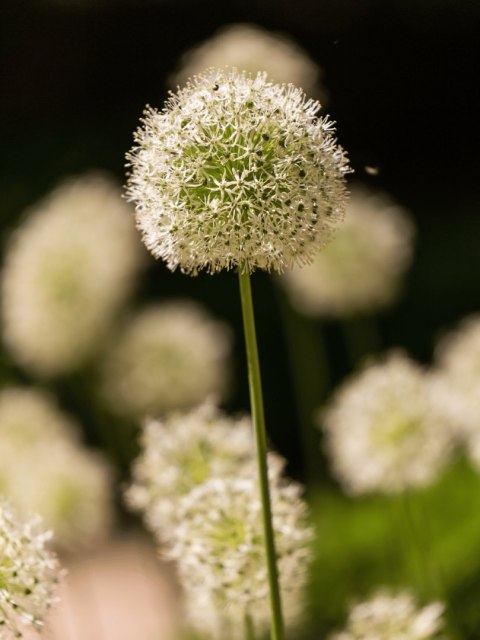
<point>386,430</point>
<point>181,452</point>
<point>458,377</point>
<point>44,468</point>
<point>387,616</point>
<point>29,573</point>
<point>67,270</point>
<point>220,553</point>
<point>252,49</point>
<point>236,172</point>
<point>169,357</point>
<point>361,268</point>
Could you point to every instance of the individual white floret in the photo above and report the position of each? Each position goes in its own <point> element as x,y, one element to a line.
<point>361,269</point>
<point>68,269</point>
<point>386,430</point>
<point>29,574</point>
<point>236,172</point>
<point>169,357</point>
<point>220,553</point>
<point>387,616</point>
<point>252,49</point>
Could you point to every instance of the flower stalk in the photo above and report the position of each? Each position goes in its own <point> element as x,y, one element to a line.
<point>258,419</point>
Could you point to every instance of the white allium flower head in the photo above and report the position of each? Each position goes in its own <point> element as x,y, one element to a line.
<point>29,573</point>
<point>387,616</point>
<point>68,269</point>
<point>361,269</point>
<point>182,451</point>
<point>252,49</point>
<point>169,357</point>
<point>29,416</point>
<point>386,430</point>
<point>458,377</point>
<point>45,469</point>
<point>220,553</point>
<point>236,172</point>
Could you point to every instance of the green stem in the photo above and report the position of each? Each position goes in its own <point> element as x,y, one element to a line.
<point>249,628</point>
<point>258,419</point>
<point>362,337</point>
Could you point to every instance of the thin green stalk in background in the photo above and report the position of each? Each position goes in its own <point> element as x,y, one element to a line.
<point>310,378</point>
<point>249,628</point>
<point>258,419</point>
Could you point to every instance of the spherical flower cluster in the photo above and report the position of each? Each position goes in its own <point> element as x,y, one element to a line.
<point>236,172</point>
<point>169,357</point>
<point>68,269</point>
<point>387,616</point>
<point>221,556</point>
<point>361,268</point>
<point>181,452</point>
<point>386,430</point>
<point>44,468</point>
<point>252,49</point>
<point>458,377</point>
<point>29,573</point>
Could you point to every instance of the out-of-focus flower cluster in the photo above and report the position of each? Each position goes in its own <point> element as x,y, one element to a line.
<point>360,270</point>
<point>387,616</point>
<point>44,468</point>
<point>68,269</point>
<point>196,481</point>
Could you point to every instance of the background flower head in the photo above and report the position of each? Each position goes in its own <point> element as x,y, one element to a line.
<point>169,357</point>
<point>68,269</point>
<point>44,468</point>
<point>236,172</point>
<point>392,616</point>
<point>385,429</point>
<point>220,553</point>
<point>361,269</point>
<point>29,574</point>
<point>250,48</point>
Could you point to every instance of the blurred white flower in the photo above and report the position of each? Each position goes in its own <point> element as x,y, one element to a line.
<point>236,172</point>
<point>250,48</point>
<point>169,357</point>
<point>29,574</point>
<point>361,269</point>
<point>458,377</point>
<point>220,553</point>
<point>68,269</point>
<point>181,452</point>
<point>387,616</point>
<point>44,468</point>
<point>386,430</point>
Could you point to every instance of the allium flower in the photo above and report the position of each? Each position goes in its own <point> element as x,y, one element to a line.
<point>361,269</point>
<point>45,469</point>
<point>29,573</point>
<point>236,172</point>
<point>458,378</point>
<point>68,269</point>
<point>183,451</point>
<point>221,557</point>
<point>30,416</point>
<point>393,617</point>
<point>386,430</point>
<point>252,49</point>
<point>170,357</point>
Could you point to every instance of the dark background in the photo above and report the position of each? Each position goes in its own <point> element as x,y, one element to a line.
<point>402,77</point>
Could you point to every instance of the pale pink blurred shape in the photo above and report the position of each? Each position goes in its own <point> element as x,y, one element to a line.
<point>120,592</point>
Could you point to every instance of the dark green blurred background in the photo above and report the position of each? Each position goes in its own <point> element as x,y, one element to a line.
<point>402,76</point>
